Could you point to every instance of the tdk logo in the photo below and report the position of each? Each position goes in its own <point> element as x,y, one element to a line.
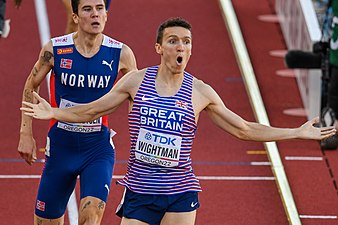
<point>147,136</point>
<point>164,140</point>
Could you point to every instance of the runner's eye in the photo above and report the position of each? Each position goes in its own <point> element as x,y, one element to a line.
<point>100,8</point>
<point>172,41</point>
<point>87,9</point>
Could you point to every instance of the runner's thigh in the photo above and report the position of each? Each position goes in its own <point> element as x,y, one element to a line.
<point>184,218</point>
<point>126,221</point>
<point>56,185</point>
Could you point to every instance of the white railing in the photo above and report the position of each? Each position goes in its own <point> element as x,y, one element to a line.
<point>301,29</point>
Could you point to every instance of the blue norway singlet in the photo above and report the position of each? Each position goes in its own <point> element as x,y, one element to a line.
<point>83,150</point>
<point>77,79</point>
<point>162,130</point>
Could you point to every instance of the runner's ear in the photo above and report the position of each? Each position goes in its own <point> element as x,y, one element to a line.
<point>158,48</point>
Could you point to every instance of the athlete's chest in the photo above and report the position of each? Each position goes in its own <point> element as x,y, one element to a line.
<point>74,70</point>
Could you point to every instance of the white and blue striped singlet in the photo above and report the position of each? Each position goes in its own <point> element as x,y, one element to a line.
<point>162,130</point>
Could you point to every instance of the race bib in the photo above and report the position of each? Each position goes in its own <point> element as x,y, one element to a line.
<point>87,127</point>
<point>158,148</point>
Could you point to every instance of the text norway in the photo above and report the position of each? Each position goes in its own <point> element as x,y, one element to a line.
<point>93,81</point>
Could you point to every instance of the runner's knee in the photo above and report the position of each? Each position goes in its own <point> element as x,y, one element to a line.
<point>39,220</point>
<point>91,211</point>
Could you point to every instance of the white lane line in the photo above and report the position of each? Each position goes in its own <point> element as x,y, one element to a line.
<point>248,178</point>
<point>234,178</point>
<point>44,29</point>
<point>303,158</point>
<point>317,217</point>
<point>260,163</point>
<point>72,209</point>
<point>20,176</point>
<point>43,22</point>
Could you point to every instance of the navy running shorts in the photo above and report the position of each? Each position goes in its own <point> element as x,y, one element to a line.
<point>72,156</point>
<point>150,208</point>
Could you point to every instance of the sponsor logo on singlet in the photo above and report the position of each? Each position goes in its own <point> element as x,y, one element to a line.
<point>62,39</point>
<point>104,62</point>
<point>62,51</point>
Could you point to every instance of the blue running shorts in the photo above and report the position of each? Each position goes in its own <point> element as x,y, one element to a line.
<point>72,155</point>
<point>150,208</point>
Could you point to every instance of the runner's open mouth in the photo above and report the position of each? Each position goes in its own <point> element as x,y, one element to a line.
<point>179,59</point>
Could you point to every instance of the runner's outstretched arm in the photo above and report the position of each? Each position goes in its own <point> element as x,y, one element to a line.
<point>245,130</point>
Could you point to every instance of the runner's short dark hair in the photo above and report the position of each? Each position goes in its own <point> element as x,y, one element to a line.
<point>75,5</point>
<point>172,22</point>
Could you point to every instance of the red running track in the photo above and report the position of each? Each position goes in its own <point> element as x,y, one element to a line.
<point>215,153</point>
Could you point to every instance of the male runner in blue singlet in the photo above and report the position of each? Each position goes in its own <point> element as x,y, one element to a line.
<point>166,102</point>
<point>84,65</point>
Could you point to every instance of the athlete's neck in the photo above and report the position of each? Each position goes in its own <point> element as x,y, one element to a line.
<point>167,82</point>
<point>87,45</point>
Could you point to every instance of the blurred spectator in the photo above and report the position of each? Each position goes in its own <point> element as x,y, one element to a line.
<point>4,24</point>
<point>71,26</point>
<point>320,7</point>
<point>333,84</point>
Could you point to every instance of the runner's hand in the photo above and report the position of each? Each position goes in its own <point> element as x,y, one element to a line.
<point>27,149</point>
<point>41,110</point>
<point>309,131</point>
